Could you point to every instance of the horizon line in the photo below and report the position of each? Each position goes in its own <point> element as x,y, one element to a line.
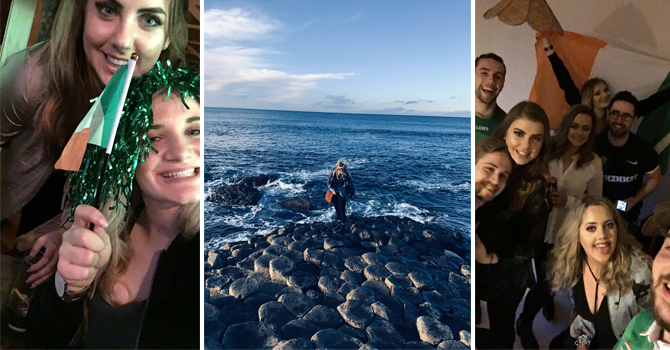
<point>286,110</point>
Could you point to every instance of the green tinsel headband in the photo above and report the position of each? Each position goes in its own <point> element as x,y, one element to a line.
<point>131,144</point>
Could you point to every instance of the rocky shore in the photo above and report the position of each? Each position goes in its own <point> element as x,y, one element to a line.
<point>373,283</point>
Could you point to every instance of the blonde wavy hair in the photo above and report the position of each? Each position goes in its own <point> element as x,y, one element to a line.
<point>567,258</point>
<point>342,167</point>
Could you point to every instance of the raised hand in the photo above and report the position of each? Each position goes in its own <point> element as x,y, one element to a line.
<point>84,252</point>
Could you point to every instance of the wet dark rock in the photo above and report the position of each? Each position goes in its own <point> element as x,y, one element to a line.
<point>333,261</point>
<point>246,264</point>
<point>238,318</point>
<point>262,264</point>
<point>295,256</point>
<point>330,243</point>
<point>412,313</point>
<point>331,300</point>
<point>347,287</point>
<point>299,246</point>
<point>362,294</point>
<point>301,203</point>
<point>281,269</point>
<point>352,277</point>
<point>275,249</point>
<point>374,259</point>
<point>217,258</point>
<point>418,345</point>
<point>226,304</point>
<point>323,317</point>
<point>378,287</point>
<point>437,300</point>
<point>297,304</point>
<point>383,330</point>
<point>334,339</point>
<point>422,280</point>
<point>461,284</point>
<point>314,256</point>
<point>243,288</point>
<point>214,329</point>
<point>330,285</point>
<point>382,344</point>
<point>407,295</point>
<point>354,332</point>
<point>452,345</point>
<point>430,310</point>
<point>433,331</point>
<point>303,280</point>
<point>294,344</point>
<point>252,304</point>
<point>274,312</point>
<point>330,272</point>
<point>397,280</point>
<point>355,313</point>
<point>255,180</point>
<point>298,329</point>
<point>376,272</point>
<point>251,335</point>
<point>355,264</point>
<point>212,344</point>
<point>236,195</point>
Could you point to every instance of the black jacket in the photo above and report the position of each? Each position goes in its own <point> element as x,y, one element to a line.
<point>171,319</point>
<point>336,180</point>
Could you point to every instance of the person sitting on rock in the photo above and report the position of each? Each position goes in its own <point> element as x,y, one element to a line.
<point>342,188</point>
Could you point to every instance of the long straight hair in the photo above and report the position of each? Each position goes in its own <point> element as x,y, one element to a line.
<point>71,81</point>
<point>559,142</point>
<point>527,178</point>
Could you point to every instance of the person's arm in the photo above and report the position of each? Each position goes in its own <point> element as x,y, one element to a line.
<point>572,94</point>
<point>653,179</point>
<point>14,105</point>
<point>482,256</point>
<point>652,102</point>
<point>331,186</point>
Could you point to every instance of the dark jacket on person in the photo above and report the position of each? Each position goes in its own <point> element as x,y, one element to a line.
<point>171,317</point>
<point>342,181</point>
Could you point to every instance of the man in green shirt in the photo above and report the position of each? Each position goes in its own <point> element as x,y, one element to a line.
<point>489,81</point>
<point>651,329</point>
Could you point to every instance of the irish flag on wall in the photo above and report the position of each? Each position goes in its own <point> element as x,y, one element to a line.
<point>96,127</point>
<point>587,57</point>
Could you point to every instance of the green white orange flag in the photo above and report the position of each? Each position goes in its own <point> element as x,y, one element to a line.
<point>98,126</point>
<point>587,57</point>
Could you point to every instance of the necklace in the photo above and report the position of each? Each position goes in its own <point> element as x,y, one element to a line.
<point>595,305</point>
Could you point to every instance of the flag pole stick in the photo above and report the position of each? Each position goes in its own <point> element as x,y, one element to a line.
<point>110,144</point>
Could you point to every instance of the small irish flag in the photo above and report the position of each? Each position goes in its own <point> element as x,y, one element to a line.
<point>98,126</point>
<point>587,57</point>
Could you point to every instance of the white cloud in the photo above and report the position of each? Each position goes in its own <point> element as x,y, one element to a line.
<point>236,25</point>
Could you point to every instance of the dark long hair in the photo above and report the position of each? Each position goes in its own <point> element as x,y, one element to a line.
<point>71,82</point>
<point>559,142</point>
<point>527,178</point>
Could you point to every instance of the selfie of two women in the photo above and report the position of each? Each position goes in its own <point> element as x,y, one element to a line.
<point>100,174</point>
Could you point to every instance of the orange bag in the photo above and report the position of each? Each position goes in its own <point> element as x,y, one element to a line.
<point>329,196</point>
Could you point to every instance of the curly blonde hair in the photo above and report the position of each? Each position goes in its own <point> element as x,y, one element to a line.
<point>567,257</point>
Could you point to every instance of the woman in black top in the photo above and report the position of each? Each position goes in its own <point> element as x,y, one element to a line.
<point>132,283</point>
<point>342,188</point>
<point>512,226</point>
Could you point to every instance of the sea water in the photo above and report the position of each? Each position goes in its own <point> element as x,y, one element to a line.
<point>406,166</point>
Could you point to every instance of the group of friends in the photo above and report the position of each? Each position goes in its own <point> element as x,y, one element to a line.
<point>558,210</point>
<point>114,277</point>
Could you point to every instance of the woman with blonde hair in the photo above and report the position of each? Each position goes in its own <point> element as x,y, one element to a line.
<point>133,283</point>
<point>342,188</point>
<point>47,89</point>
<point>606,273</point>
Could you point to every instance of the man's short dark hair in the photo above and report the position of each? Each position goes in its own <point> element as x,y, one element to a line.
<point>491,56</point>
<point>625,96</point>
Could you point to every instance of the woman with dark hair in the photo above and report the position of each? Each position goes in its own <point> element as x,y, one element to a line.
<point>47,89</point>
<point>512,226</point>
<point>607,274</point>
<point>573,164</point>
<point>596,92</point>
<point>342,188</point>
<point>132,281</point>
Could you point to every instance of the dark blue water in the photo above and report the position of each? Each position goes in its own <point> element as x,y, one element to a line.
<point>408,166</point>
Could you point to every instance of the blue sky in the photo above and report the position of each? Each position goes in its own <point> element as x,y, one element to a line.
<point>390,57</point>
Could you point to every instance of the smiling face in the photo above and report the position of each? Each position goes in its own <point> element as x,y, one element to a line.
<point>489,80</point>
<point>580,130</point>
<point>491,174</point>
<point>660,289</point>
<point>172,176</point>
<point>601,96</point>
<point>114,29</point>
<point>598,234</point>
<point>524,140</point>
<point>621,117</point>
